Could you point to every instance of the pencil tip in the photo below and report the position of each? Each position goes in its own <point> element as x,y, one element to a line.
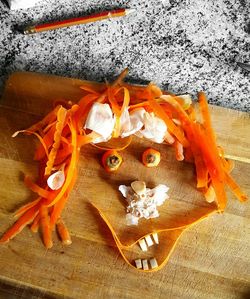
<point>130,10</point>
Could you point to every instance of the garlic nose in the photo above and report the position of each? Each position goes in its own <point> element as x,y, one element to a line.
<point>139,187</point>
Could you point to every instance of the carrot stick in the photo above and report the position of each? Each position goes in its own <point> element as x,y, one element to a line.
<point>37,189</point>
<point>26,207</point>
<point>206,115</point>
<point>18,226</point>
<point>235,188</point>
<point>213,164</point>
<point>35,225</point>
<point>45,226</point>
<point>63,232</point>
<point>178,151</point>
<point>57,209</point>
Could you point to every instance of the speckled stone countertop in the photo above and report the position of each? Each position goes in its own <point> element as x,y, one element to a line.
<point>182,45</point>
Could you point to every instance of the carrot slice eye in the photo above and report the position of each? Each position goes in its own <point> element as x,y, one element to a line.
<point>111,160</point>
<point>151,157</point>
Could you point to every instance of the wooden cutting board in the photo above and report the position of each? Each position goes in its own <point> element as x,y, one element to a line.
<point>211,260</point>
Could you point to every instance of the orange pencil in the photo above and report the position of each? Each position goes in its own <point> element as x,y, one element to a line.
<point>77,21</point>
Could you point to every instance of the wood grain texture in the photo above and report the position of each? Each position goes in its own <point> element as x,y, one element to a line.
<point>212,259</point>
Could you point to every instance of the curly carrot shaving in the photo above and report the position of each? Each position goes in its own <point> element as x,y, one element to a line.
<point>43,148</point>
<point>61,115</point>
<point>48,119</point>
<point>72,166</point>
<point>37,135</point>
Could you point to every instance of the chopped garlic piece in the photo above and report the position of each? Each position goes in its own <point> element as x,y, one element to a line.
<point>143,245</point>
<point>145,264</point>
<point>56,180</point>
<point>144,204</point>
<point>149,241</point>
<point>138,263</point>
<point>100,120</point>
<point>139,187</point>
<point>155,237</point>
<point>153,263</point>
<point>131,220</point>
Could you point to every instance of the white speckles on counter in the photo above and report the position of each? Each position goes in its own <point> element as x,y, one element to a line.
<point>185,45</point>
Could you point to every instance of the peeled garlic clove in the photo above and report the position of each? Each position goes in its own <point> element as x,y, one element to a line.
<point>138,263</point>
<point>139,187</point>
<point>149,241</point>
<point>145,264</point>
<point>155,237</point>
<point>143,245</point>
<point>56,180</point>
<point>153,263</point>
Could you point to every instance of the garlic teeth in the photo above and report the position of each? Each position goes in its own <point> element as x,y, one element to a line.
<point>145,264</point>
<point>155,237</point>
<point>143,245</point>
<point>138,264</point>
<point>149,241</point>
<point>153,263</point>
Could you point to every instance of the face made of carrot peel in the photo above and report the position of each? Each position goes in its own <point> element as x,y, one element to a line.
<point>111,112</point>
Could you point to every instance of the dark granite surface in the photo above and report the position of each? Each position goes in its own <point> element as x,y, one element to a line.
<point>185,45</point>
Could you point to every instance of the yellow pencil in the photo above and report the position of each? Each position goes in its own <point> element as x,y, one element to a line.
<point>80,20</point>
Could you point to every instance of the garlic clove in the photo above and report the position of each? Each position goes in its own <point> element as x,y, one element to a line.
<point>138,264</point>
<point>131,219</point>
<point>149,241</point>
<point>56,180</point>
<point>145,264</point>
<point>139,187</point>
<point>143,245</point>
<point>100,120</point>
<point>153,263</point>
<point>155,237</point>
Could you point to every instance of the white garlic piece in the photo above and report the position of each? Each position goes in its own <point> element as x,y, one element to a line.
<point>142,201</point>
<point>56,180</point>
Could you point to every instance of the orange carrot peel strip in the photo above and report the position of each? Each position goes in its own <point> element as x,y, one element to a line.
<point>61,115</point>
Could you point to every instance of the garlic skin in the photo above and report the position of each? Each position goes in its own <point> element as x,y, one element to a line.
<point>154,128</point>
<point>56,180</point>
<point>100,120</point>
<point>131,122</point>
<point>143,205</point>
